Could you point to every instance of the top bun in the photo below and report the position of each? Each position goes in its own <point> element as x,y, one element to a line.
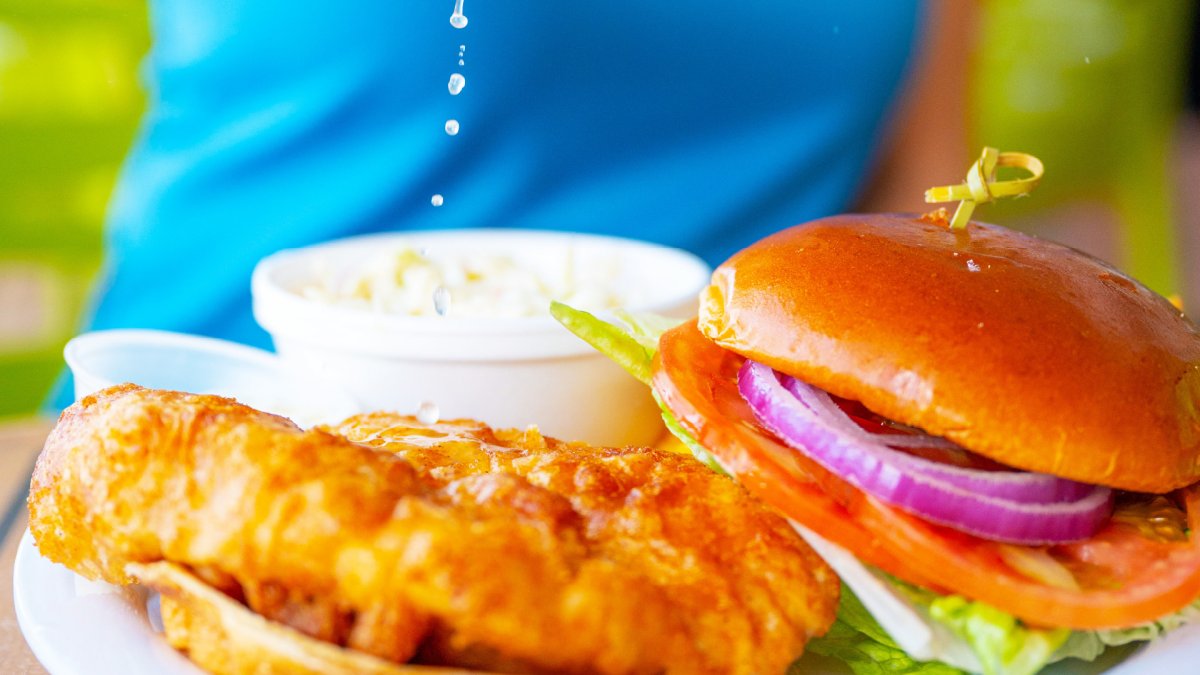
<point>1025,351</point>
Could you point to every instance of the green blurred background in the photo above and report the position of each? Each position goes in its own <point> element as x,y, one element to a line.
<point>1049,77</point>
<point>1094,88</point>
<point>69,106</point>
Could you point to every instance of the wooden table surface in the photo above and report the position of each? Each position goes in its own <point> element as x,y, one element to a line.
<point>20,441</point>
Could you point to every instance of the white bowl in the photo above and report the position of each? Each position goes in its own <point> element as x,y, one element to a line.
<point>503,371</point>
<point>164,360</point>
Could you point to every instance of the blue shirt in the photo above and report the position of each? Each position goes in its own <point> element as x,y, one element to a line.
<point>274,124</point>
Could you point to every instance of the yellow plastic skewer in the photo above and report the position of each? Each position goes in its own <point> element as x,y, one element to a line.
<point>981,185</point>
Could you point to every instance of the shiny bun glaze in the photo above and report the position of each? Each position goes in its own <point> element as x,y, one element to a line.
<point>1019,349</point>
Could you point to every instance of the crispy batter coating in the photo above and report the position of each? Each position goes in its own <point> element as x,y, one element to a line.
<point>451,544</point>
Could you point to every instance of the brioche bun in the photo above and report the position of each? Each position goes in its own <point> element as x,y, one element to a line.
<point>1025,351</point>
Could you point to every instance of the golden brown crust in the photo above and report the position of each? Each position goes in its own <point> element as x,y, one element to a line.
<point>658,514</point>
<point>1022,350</point>
<point>454,543</point>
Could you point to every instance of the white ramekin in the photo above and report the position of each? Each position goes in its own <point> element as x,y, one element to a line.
<point>503,371</point>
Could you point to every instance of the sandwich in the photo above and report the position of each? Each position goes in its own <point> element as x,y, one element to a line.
<point>992,438</point>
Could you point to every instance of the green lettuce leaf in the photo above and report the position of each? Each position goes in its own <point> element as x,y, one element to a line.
<point>1004,645</point>
<point>678,431</point>
<point>646,327</point>
<point>1082,644</point>
<point>1090,644</point>
<point>858,640</point>
<point>633,347</point>
<point>1152,630</point>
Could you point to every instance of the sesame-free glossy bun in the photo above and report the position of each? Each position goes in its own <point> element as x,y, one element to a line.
<point>1019,349</point>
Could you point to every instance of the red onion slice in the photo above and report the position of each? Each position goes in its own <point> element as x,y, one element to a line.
<point>819,400</point>
<point>1003,506</point>
<point>913,441</point>
<point>1021,486</point>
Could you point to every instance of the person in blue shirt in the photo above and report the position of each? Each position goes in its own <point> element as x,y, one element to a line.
<point>278,124</point>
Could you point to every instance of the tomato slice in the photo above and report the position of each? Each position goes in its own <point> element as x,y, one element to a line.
<point>1124,576</point>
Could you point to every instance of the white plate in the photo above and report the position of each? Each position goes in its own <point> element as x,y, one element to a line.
<point>75,626</point>
<point>78,627</point>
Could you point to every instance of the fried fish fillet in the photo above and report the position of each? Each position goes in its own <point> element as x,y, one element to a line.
<point>448,544</point>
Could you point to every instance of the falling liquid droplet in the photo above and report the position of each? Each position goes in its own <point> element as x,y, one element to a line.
<point>441,300</point>
<point>452,127</point>
<point>458,19</point>
<point>428,413</point>
<point>436,200</point>
<point>457,82</point>
<point>462,62</point>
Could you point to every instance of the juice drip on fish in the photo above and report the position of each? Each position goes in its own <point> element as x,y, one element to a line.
<point>428,413</point>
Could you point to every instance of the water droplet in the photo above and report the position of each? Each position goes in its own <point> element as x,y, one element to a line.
<point>441,300</point>
<point>972,265</point>
<point>436,200</point>
<point>428,413</point>
<point>462,49</point>
<point>452,127</point>
<point>1087,59</point>
<point>458,19</point>
<point>457,82</point>
<point>461,62</point>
